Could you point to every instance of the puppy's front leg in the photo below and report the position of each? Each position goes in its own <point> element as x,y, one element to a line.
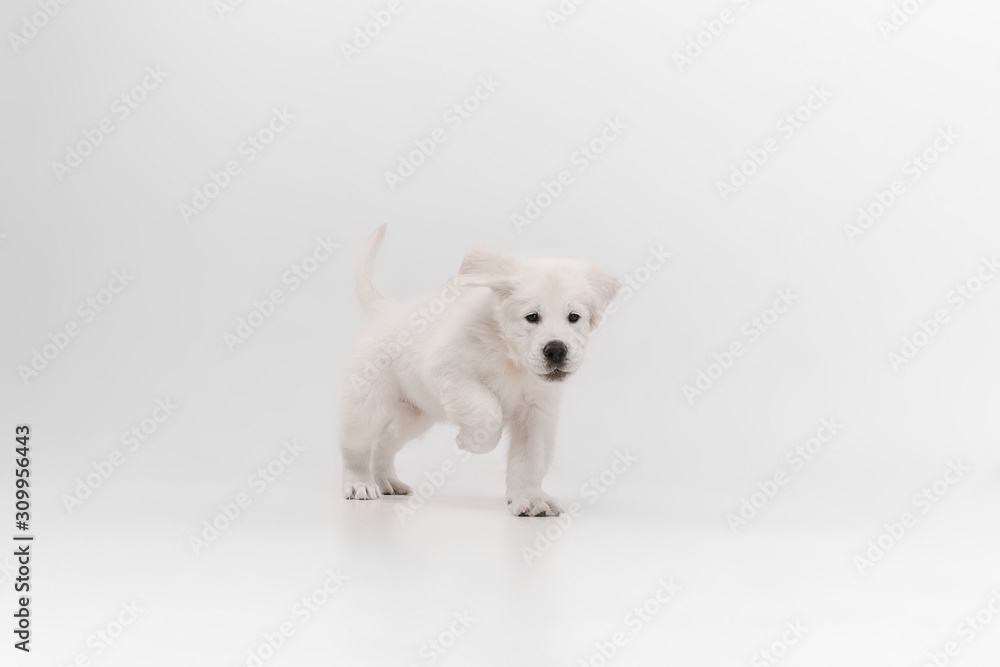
<point>477,412</point>
<point>532,438</point>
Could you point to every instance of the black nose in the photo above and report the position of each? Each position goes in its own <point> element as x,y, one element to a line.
<point>555,351</point>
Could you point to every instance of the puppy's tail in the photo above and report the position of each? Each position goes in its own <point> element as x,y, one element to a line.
<point>368,294</point>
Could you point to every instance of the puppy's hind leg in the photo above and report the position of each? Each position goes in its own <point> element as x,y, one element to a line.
<point>407,423</point>
<point>359,483</point>
<point>359,432</point>
<point>366,411</point>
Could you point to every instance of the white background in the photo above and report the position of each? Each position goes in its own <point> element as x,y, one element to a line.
<point>665,518</point>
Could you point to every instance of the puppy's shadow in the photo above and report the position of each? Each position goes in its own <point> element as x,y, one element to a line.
<point>366,517</point>
<point>472,504</point>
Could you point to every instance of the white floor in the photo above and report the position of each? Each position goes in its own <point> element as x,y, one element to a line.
<point>673,587</point>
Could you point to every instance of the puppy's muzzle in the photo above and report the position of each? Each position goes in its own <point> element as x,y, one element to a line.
<point>555,353</point>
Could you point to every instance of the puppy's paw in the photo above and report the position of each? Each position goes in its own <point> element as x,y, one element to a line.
<point>390,486</point>
<point>534,504</point>
<point>477,441</point>
<point>361,490</point>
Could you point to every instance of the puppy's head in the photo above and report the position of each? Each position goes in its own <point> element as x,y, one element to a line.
<point>547,307</point>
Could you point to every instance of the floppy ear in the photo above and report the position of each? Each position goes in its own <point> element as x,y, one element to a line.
<point>485,268</point>
<point>603,287</point>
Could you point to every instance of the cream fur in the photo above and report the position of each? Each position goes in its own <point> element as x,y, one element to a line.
<point>468,356</point>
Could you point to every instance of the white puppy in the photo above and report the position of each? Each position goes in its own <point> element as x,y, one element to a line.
<point>487,354</point>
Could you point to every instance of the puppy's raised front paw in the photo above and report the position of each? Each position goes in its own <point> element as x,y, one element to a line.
<point>391,486</point>
<point>535,504</point>
<point>477,441</point>
<point>361,490</point>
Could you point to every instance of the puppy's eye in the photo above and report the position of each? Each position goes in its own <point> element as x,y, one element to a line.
<point>532,317</point>
<point>573,317</point>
